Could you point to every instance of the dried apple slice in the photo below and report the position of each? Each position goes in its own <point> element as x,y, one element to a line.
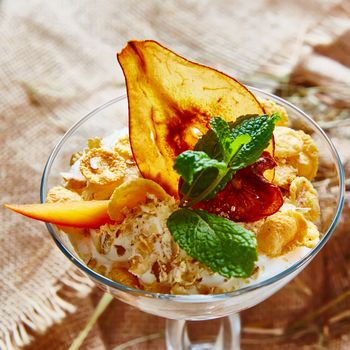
<point>249,196</point>
<point>131,194</point>
<point>171,101</point>
<point>91,214</point>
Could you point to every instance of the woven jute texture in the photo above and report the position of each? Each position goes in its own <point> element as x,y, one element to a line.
<point>57,62</point>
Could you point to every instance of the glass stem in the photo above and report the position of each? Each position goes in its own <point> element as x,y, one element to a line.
<point>227,337</point>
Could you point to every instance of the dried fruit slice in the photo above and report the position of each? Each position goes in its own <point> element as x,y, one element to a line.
<point>91,214</point>
<point>248,196</point>
<point>131,194</point>
<point>171,101</point>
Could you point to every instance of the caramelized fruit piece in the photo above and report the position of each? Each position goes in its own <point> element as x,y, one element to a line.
<point>171,101</point>
<point>91,214</point>
<point>248,196</point>
<point>131,194</point>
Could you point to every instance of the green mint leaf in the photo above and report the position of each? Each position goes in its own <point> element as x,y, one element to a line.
<point>203,181</point>
<point>260,129</point>
<point>190,163</point>
<point>228,142</point>
<point>223,134</point>
<point>196,169</point>
<point>233,145</point>
<point>229,147</point>
<point>222,245</point>
<point>209,144</point>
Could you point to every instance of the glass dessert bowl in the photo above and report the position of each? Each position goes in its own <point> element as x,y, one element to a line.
<point>177,308</point>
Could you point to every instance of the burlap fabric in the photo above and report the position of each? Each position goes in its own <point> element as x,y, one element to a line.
<point>57,63</point>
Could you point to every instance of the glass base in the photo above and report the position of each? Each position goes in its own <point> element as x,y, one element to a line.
<point>228,335</point>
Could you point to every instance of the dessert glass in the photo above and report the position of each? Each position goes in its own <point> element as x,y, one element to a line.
<point>177,309</point>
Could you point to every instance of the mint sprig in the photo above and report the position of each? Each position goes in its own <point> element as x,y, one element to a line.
<point>202,174</point>
<point>192,163</point>
<point>225,246</point>
<point>221,244</point>
<point>229,143</point>
<point>228,149</point>
<point>260,128</point>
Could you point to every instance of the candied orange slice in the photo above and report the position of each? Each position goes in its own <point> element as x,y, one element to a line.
<point>171,101</point>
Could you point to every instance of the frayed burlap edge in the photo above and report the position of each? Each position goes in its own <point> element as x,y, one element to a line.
<point>51,308</point>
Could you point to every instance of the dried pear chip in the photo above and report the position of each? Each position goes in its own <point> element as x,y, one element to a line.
<point>171,101</point>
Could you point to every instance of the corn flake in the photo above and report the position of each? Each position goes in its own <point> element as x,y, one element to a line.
<point>284,175</point>
<point>61,194</point>
<point>75,156</point>
<point>312,236</point>
<point>288,142</point>
<point>75,185</point>
<point>307,161</point>
<point>103,167</point>
<point>123,148</point>
<point>304,195</point>
<point>94,142</point>
<point>281,231</point>
<point>271,107</point>
<point>97,192</point>
<point>296,155</point>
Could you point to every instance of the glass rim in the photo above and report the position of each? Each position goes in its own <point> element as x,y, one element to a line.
<point>195,297</point>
